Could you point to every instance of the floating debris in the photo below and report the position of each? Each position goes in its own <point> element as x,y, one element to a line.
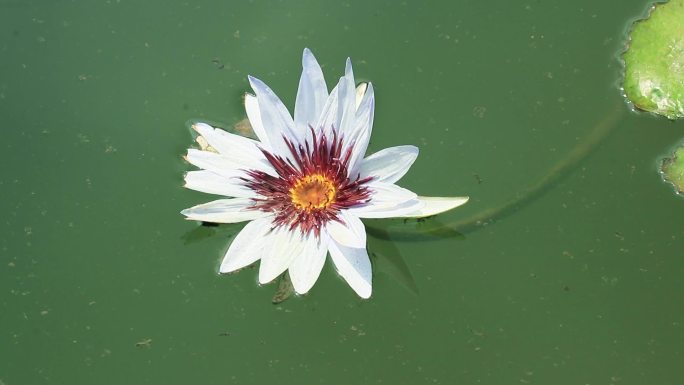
<point>144,344</point>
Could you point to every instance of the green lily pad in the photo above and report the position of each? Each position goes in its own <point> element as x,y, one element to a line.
<point>654,61</point>
<point>673,169</point>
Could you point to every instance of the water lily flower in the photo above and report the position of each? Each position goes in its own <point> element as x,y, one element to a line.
<point>304,184</point>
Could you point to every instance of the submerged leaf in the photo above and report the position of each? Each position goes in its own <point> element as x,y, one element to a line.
<point>244,128</point>
<point>672,169</point>
<point>284,291</point>
<point>654,61</point>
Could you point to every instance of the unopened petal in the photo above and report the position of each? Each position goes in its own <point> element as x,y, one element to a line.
<point>306,268</point>
<point>243,251</point>
<point>232,210</point>
<point>390,164</point>
<point>354,266</point>
<point>435,205</point>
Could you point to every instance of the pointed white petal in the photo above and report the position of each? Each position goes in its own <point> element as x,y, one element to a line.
<point>275,117</point>
<point>329,115</point>
<point>389,193</point>
<point>390,164</point>
<point>346,101</point>
<point>212,183</point>
<point>311,94</point>
<point>224,211</point>
<point>242,152</point>
<point>306,268</point>
<point>282,246</point>
<point>354,266</point>
<point>254,116</point>
<point>436,205</point>
<point>348,71</point>
<point>361,131</point>
<point>360,91</point>
<point>213,162</point>
<point>351,233</point>
<point>243,251</point>
<point>229,144</point>
<point>387,201</point>
<point>387,210</point>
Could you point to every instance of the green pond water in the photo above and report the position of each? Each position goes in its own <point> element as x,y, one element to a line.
<point>564,268</point>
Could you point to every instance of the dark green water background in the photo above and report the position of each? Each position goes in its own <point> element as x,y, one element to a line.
<point>582,284</point>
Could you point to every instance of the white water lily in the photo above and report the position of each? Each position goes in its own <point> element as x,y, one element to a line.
<point>305,184</point>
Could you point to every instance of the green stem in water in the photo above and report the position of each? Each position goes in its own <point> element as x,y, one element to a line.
<point>434,227</point>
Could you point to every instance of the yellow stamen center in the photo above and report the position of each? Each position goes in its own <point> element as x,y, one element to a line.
<point>313,192</point>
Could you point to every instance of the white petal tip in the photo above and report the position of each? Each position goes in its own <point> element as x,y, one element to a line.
<point>364,293</point>
<point>301,291</point>
<point>436,205</point>
<point>227,269</point>
<point>265,280</point>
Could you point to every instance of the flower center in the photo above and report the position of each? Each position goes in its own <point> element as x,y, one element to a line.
<point>313,192</point>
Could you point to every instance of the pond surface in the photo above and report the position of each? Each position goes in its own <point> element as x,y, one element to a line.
<point>564,268</point>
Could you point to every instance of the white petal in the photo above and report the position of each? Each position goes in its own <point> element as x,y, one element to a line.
<point>212,183</point>
<point>351,233</point>
<point>387,210</point>
<point>436,205</point>
<point>306,268</point>
<point>275,117</point>
<point>387,201</point>
<point>361,131</point>
<point>254,116</point>
<point>228,144</point>
<point>329,115</point>
<point>243,251</point>
<point>311,94</point>
<point>390,164</point>
<point>346,102</point>
<point>389,193</point>
<point>243,152</point>
<point>354,266</point>
<point>224,211</point>
<point>282,246</point>
<point>213,162</point>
